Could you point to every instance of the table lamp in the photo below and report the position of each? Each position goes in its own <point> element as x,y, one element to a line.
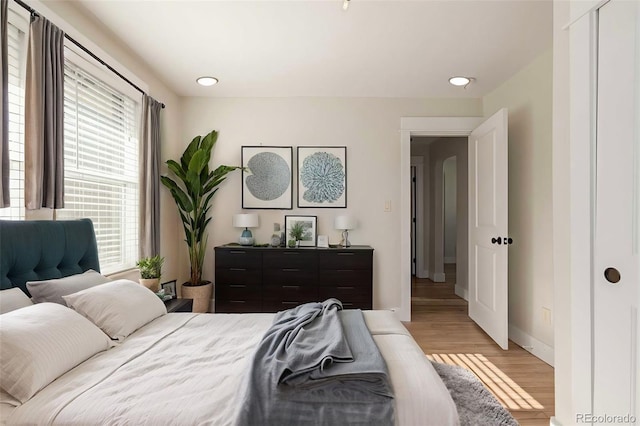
<point>245,221</point>
<point>345,223</point>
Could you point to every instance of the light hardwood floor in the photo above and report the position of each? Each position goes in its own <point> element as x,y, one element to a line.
<point>440,325</point>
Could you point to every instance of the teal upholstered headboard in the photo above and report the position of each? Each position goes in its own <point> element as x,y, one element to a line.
<point>45,249</point>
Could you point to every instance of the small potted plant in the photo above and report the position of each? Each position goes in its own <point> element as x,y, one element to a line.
<point>150,271</point>
<point>296,233</point>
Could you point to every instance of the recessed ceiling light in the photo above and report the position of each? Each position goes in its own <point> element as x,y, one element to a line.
<point>460,81</point>
<point>206,81</point>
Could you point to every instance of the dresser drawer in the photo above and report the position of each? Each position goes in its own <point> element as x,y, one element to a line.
<point>238,258</point>
<point>289,276</point>
<point>279,292</point>
<point>350,296</point>
<point>345,277</point>
<point>281,305</point>
<point>290,258</point>
<point>238,292</point>
<point>238,306</point>
<point>345,259</point>
<point>238,276</point>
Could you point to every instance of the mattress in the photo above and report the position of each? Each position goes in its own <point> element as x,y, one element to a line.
<point>185,368</point>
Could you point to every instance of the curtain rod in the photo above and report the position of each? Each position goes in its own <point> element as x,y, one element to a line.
<point>84,49</point>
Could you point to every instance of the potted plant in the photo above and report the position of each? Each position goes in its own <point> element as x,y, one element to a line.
<point>150,271</point>
<point>296,232</point>
<point>192,191</point>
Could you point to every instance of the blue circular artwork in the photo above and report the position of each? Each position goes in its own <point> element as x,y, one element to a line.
<point>270,176</point>
<point>322,174</point>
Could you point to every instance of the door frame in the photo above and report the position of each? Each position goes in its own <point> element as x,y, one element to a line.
<point>421,269</point>
<point>419,126</point>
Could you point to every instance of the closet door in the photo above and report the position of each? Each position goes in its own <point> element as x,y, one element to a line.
<point>615,266</point>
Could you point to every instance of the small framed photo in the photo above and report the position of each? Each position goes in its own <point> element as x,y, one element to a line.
<point>267,182</point>
<point>302,228</point>
<point>323,241</point>
<point>169,289</point>
<point>322,176</point>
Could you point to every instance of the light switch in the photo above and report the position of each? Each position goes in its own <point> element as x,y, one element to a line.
<point>387,206</point>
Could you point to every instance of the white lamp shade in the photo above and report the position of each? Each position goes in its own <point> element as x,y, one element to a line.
<point>345,222</point>
<point>249,220</point>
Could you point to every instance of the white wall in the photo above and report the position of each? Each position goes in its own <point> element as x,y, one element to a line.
<point>368,127</point>
<point>439,151</point>
<point>449,170</point>
<point>528,96</point>
<point>110,48</point>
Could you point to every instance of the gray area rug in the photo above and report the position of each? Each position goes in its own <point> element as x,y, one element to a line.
<point>476,405</point>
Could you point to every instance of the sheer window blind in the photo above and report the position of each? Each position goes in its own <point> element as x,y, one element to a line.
<point>101,164</point>
<point>17,49</point>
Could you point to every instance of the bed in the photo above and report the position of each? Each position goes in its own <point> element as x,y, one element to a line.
<point>178,368</point>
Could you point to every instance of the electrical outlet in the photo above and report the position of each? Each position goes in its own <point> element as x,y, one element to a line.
<point>546,316</point>
<point>387,206</point>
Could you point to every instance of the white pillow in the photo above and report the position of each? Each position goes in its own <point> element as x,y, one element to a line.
<point>119,307</point>
<point>53,290</point>
<point>42,342</point>
<point>13,299</point>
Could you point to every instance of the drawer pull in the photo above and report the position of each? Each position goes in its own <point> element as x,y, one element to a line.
<point>290,270</point>
<point>345,288</point>
<point>238,269</point>
<point>291,286</point>
<point>290,253</point>
<point>344,270</point>
<point>346,254</point>
<point>237,286</point>
<point>290,303</point>
<point>347,304</point>
<point>238,252</point>
<point>237,301</point>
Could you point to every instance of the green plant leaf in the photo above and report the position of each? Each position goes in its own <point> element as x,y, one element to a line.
<point>188,153</point>
<point>177,169</point>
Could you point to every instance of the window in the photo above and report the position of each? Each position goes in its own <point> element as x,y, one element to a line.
<point>101,161</point>
<point>17,49</point>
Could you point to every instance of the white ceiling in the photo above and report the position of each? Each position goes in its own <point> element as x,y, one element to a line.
<point>315,48</point>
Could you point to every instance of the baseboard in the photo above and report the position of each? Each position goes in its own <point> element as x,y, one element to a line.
<point>450,259</point>
<point>553,421</point>
<point>531,344</point>
<point>462,292</point>
<point>438,277</point>
<point>422,274</point>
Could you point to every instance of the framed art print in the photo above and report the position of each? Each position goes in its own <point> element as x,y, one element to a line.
<point>267,181</point>
<point>322,176</point>
<point>304,227</point>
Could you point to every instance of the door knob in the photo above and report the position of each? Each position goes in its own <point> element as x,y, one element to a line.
<point>612,275</point>
<point>496,240</point>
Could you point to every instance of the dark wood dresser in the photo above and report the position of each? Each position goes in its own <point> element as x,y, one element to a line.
<point>268,279</point>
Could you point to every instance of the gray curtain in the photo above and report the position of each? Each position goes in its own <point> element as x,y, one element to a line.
<point>44,100</point>
<point>4,109</point>
<point>149,223</point>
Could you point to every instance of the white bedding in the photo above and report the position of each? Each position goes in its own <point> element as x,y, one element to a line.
<point>187,368</point>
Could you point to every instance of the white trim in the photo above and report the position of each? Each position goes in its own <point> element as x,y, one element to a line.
<point>419,126</point>
<point>449,260</point>
<point>461,292</point>
<point>438,277</point>
<point>531,344</point>
<point>418,163</point>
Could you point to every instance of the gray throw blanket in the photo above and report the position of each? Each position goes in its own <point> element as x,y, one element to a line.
<point>317,365</point>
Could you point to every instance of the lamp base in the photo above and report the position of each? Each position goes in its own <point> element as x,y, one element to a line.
<point>345,239</point>
<point>246,239</point>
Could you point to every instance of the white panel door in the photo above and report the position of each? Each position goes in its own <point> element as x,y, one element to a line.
<point>488,215</point>
<point>615,266</point>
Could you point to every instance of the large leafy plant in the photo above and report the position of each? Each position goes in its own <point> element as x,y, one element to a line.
<point>193,192</point>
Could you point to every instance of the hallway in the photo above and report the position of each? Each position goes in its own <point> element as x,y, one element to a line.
<point>440,325</point>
